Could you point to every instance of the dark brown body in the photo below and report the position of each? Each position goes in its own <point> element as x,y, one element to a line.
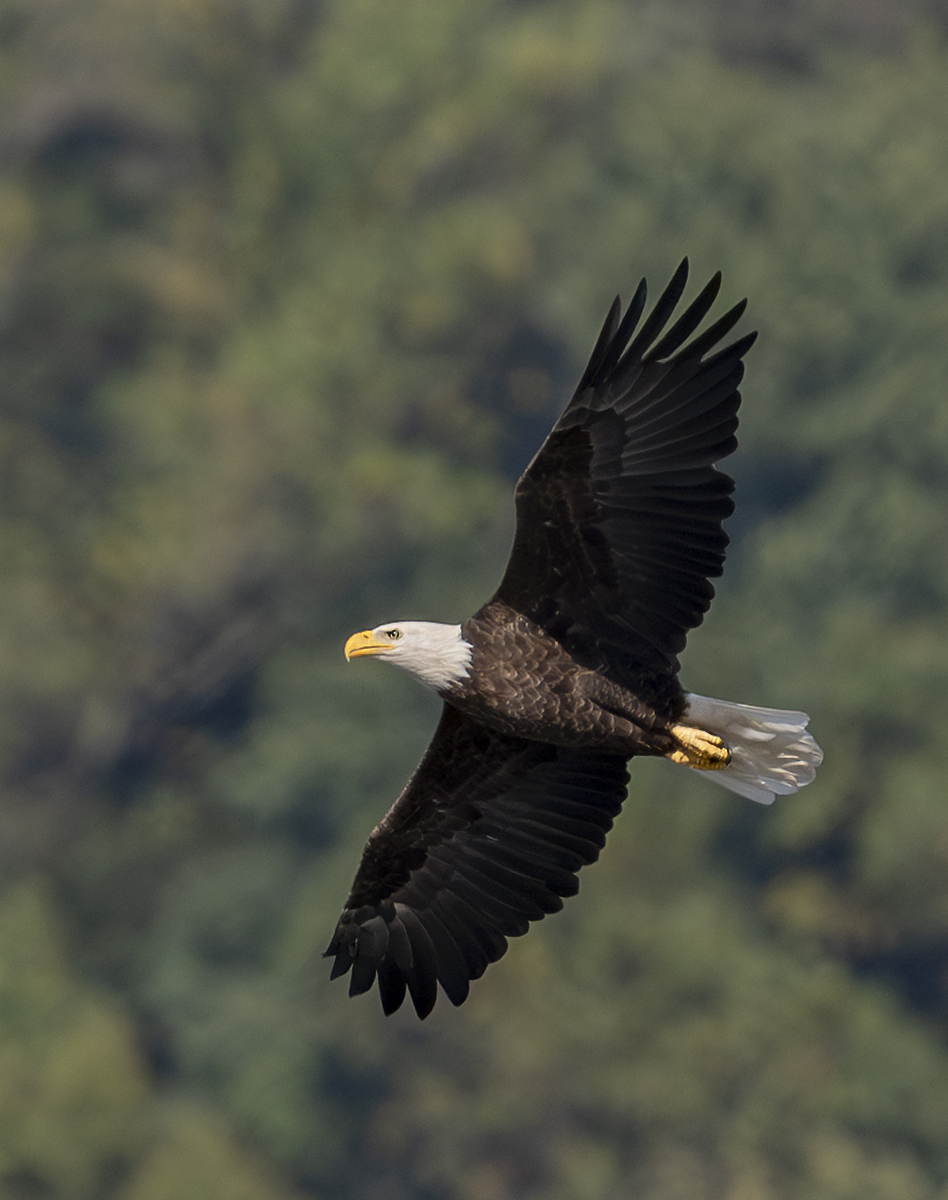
<point>524,683</point>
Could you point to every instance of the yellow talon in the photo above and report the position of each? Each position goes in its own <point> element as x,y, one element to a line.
<point>703,751</point>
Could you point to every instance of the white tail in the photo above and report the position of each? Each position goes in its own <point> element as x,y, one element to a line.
<point>771,752</point>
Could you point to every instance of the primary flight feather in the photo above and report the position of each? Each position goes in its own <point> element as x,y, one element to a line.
<point>571,668</point>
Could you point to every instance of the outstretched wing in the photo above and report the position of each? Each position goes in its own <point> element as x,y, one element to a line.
<point>486,837</point>
<point>619,516</point>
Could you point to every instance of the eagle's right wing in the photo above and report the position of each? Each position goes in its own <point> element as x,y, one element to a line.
<point>486,837</point>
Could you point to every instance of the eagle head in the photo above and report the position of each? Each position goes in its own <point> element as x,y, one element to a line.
<point>437,654</point>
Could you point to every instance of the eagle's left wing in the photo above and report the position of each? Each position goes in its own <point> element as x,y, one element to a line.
<point>619,515</point>
<point>486,837</point>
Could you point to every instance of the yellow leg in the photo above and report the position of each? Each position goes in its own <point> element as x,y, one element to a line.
<point>703,751</point>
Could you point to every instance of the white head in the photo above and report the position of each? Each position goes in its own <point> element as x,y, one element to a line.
<point>436,654</point>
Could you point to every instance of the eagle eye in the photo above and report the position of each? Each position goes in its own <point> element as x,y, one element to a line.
<point>394,634</point>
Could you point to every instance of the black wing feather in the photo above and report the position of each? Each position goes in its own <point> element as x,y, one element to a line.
<point>487,837</point>
<point>619,516</point>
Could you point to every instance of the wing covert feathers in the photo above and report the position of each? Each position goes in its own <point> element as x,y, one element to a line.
<point>487,837</point>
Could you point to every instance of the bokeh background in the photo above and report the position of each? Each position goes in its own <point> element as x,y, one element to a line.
<point>290,290</point>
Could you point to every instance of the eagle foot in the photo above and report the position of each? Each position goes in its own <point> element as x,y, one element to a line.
<point>703,751</point>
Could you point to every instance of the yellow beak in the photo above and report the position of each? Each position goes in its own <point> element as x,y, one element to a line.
<point>362,644</point>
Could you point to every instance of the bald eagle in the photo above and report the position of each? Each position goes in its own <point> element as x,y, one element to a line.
<point>570,669</point>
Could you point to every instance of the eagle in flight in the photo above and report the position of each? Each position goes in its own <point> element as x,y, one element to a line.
<point>571,668</point>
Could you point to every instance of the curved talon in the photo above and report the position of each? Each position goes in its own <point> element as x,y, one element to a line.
<point>698,749</point>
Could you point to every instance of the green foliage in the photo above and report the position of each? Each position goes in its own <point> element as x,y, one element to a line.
<point>196,1157</point>
<point>77,1116</point>
<point>72,1084</point>
<point>291,291</point>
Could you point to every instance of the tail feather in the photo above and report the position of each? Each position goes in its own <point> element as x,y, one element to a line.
<point>771,752</point>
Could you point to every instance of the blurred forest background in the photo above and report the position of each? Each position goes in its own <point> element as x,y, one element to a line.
<point>290,290</point>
